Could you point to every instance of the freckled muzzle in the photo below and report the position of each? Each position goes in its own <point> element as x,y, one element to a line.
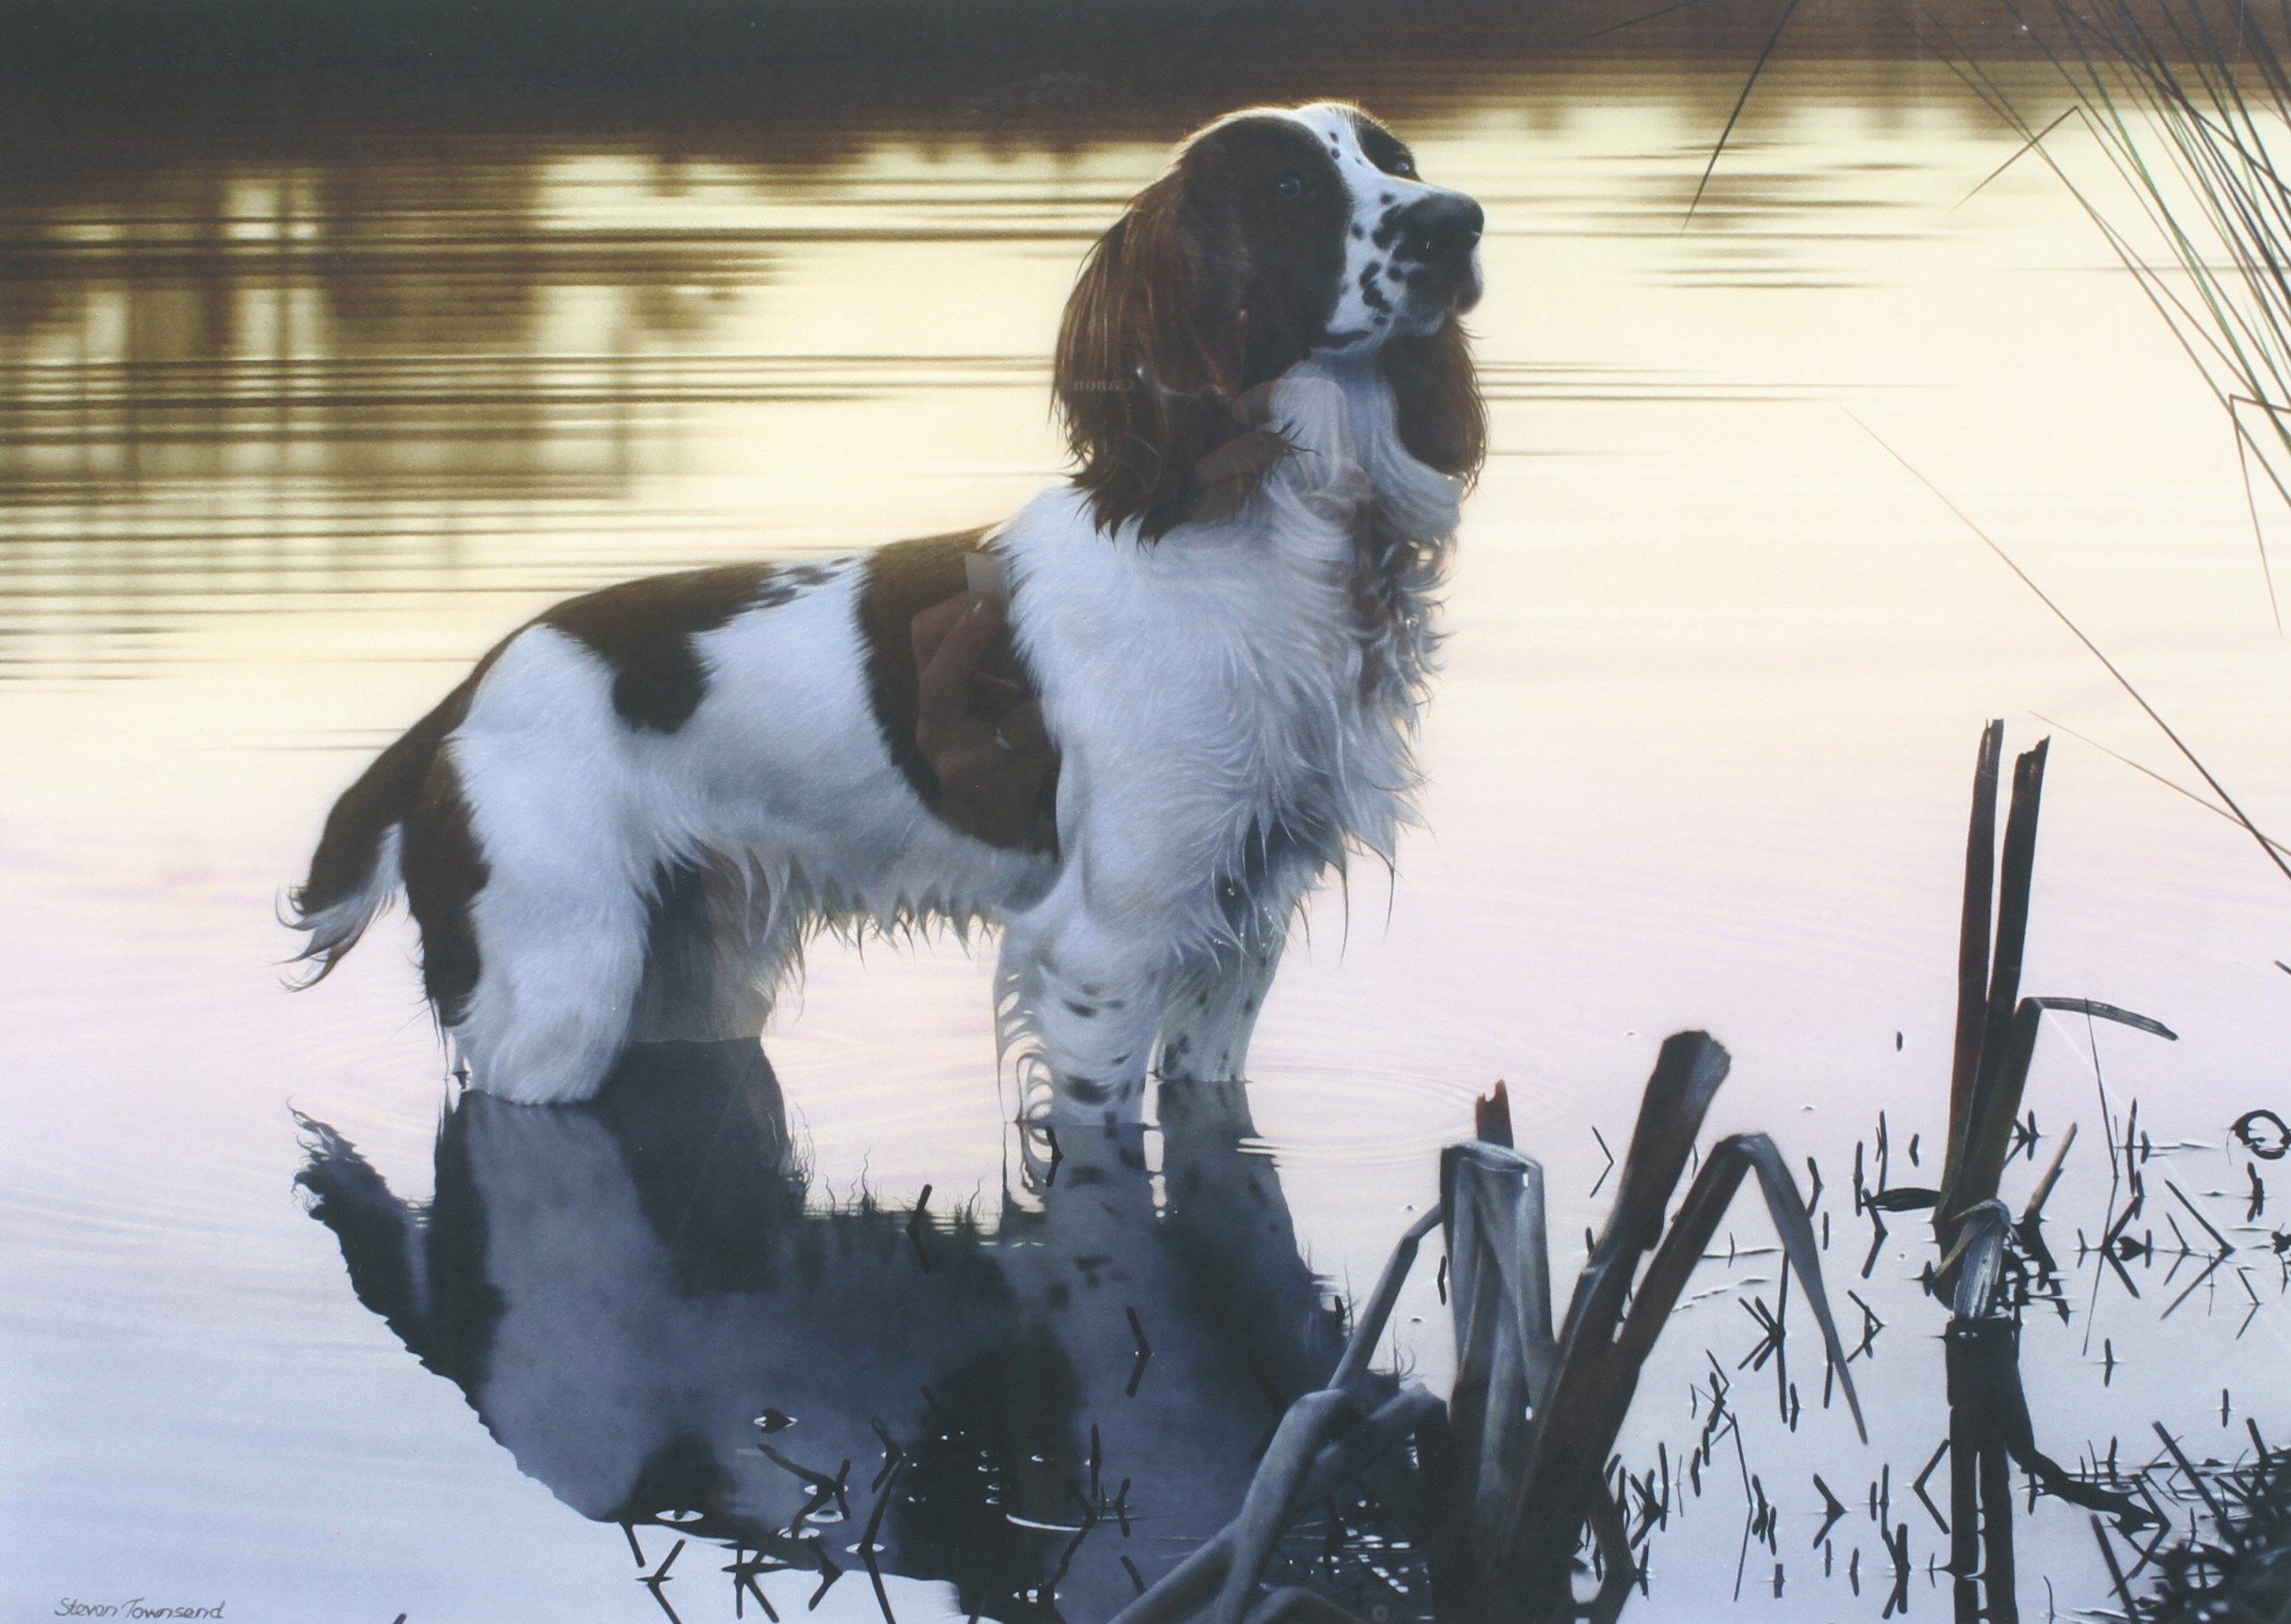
<point>1436,239</point>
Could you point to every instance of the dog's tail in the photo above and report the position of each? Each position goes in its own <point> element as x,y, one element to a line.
<point>354,871</point>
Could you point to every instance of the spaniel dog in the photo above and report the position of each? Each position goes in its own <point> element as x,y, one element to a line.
<point>1130,726</point>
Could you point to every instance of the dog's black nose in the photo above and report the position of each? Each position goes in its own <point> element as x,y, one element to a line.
<point>1445,225</point>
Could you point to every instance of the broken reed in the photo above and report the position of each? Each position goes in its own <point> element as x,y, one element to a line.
<point>1514,1467</point>
<point>1996,1027</point>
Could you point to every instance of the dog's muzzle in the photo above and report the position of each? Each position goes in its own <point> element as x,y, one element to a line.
<point>1438,239</point>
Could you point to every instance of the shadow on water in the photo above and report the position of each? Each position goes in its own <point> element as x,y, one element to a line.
<point>646,1306</point>
<point>1054,1414</point>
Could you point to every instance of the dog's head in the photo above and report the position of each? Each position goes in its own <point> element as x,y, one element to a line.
<point>1275,234</point>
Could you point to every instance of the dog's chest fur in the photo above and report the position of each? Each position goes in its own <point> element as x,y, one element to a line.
<point>1262,672</point>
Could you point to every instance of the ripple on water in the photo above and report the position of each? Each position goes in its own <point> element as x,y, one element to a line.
<point>1344,1117</point>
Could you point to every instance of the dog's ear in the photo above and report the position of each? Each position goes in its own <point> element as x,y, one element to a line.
<point>1148,363</point>
<point>1436,396</point>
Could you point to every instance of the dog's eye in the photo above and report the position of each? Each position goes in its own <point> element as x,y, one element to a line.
<point>1291,185</point>
<point>1404,166</point>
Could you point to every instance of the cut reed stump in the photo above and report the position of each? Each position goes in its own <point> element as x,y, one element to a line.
<point>1537,1469</point>
<point>1511,1469</point>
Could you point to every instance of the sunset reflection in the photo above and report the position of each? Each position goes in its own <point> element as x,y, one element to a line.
<point>296,422</point>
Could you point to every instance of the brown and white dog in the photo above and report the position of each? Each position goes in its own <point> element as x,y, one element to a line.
<point>624,823</point>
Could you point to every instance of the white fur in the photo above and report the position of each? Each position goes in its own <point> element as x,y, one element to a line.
<point>1209,694</point>
<point>335,931</point>
<point>778,780</point>
<point>1213,684</point>
<point>1376,196</point>
<point>1230,721</point>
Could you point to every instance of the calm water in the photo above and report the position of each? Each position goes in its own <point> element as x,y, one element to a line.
<point>291,432</point>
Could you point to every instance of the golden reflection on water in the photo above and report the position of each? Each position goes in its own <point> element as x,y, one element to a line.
<point>262,372</point>
<point>285,442</point>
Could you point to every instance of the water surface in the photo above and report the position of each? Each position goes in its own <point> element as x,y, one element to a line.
<point>294,426</point>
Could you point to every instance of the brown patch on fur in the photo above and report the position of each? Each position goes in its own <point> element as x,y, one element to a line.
<point>1228,476</point>
<point>1435,395</point>
<point>413,786</point>
<point>385,792</point>
<point>644,629</point>
<point>902,581</point>
<point>444,869</point>
<point>1213,282</point>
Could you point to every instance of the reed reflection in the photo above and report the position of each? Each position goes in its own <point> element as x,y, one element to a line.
<point>349,337</point>
<point>648,1306</point>
<point>409,322</point>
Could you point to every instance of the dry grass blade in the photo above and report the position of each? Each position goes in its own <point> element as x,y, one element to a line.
<point>1500,1298</point>
<point>1659,12</point>
<point>1197,1579</point>
<point>2181,789</point>
<point>1975,1136</point>
<point>2014,883</point>
<point>2190,115</point>
<point>1687,1073</point>
<point>1273,1494</point>
<point>2096,1010</point>
<point>1301,1464</point>
<point>1976,1162</point>
<point>2050,1177</point>
<point>1525,1558</point>
<point>1592,1386</point>
<point>2282,863</point>
<point>1353,1368</point>
<point>1773,43</point>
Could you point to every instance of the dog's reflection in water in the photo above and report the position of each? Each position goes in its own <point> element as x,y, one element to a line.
<point>623,1288</point>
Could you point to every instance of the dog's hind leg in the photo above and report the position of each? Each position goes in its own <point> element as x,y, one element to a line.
<point>562,853</point>
<point>561,945</point>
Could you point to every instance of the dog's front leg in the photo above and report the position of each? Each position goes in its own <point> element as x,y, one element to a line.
<point>1081,993</point>
<point>1211,1008</point>
<point>1210,1011</point>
